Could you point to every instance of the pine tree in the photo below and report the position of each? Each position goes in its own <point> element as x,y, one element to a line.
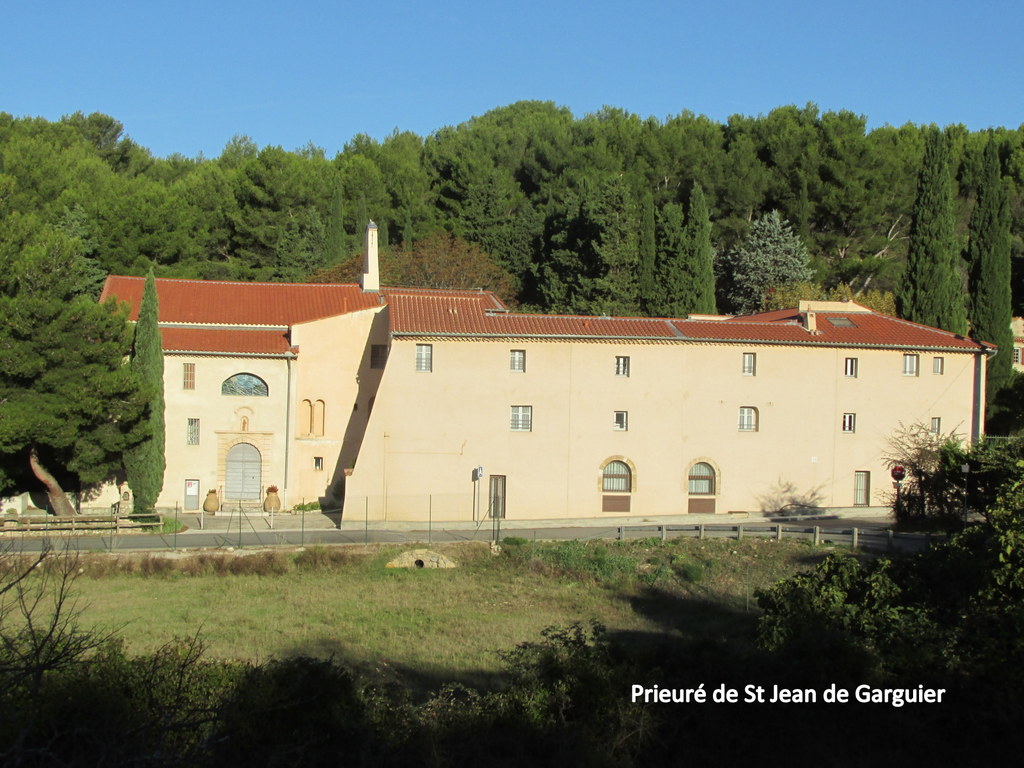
<point>771,255</point>
<point>931,291</point>
<point>70,406</point>
<point>144,464</point>
<point>988,257</point>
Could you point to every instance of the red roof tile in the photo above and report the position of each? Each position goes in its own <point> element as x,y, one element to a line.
<point>865,328</point>
<point>472,315</point>
<point>426,312</point>
<point>221,302</point>
<point>225,341</point>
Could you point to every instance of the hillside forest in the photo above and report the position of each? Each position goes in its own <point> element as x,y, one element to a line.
<point>574,211</point>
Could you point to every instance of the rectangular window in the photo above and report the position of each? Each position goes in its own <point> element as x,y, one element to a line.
<point>748,419</point>
<point>378,355</point>
<point>318,463</point>
<point>850,368</point>
<point>517,360</point>
<point>849,422</point>
<point>521,419</point>
<point>425,357</point>
<point>621,366</point>
<point>188,375</point>
<point>621,421</point>
<point>938,365</point>
<point>1016,355</point>
<point>749,363</point>
<point>910,365</point>
<point>192,432</point>
<point>936,425</point>
<point>861,489</point>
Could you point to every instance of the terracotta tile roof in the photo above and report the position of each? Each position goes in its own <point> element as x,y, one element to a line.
<point>233,303</point>
<point>864,329</point>
<point>428,312</point>
<point>472,315</point>
<point>245,341</point>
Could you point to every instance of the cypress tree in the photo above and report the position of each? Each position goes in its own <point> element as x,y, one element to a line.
<point>699,291</point>
<point>930,291</point>
<point>669,261</point>
<point>648,254</point>
<point>988,257</point>
<point>144,464</point>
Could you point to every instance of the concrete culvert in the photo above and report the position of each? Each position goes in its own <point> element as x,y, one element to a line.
<point>421,558</point>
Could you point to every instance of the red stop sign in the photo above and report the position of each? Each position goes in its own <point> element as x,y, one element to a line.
<point>898,473</point>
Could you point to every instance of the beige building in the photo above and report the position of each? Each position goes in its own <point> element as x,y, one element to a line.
<point>1017,326</point>
<point>407,404</point>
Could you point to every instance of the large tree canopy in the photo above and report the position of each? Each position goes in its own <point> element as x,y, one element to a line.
<point>584,213</point>
<point>71,405</point>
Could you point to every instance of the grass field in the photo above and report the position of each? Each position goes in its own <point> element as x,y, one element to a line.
<point>429,625</point>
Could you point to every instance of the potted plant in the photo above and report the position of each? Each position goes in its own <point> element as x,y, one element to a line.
<point>273,502</point>
<point>212,503</point>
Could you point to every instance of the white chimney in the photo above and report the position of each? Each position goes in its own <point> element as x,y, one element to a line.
<point>371,269</point>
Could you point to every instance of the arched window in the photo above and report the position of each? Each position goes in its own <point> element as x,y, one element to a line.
<point>702,479</point>
<point>244,384</point>
<point>306,418</point>
<point>318,418</point>
<point>617,477</point>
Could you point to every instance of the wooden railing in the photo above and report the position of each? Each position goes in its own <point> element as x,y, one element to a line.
<point>79,523</point>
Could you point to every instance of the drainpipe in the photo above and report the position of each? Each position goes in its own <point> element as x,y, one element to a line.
<point>288,357</point>
<point>978,401</point>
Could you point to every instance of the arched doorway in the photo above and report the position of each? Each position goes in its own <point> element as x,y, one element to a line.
<point>244,473</point>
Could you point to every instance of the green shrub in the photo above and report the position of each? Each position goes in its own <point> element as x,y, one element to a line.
<point>687,569</point>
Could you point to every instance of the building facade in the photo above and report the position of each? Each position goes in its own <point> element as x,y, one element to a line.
<point>416,404</point>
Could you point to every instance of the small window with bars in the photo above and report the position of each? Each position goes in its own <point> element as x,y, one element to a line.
<point>425,357</point>
<point>861,489</point>
<point>517,360</point>
<point>378,355</point>
<point>849,422</point>
<point>188,375</point>
<point>192,432</point>
<point>621,365</point>
<point>521,418</point>
<point>748,419</point>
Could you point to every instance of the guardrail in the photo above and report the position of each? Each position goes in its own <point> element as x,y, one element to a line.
<point>855,538</point>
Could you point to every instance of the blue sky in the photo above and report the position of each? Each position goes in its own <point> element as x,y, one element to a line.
<point>187,76</point>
